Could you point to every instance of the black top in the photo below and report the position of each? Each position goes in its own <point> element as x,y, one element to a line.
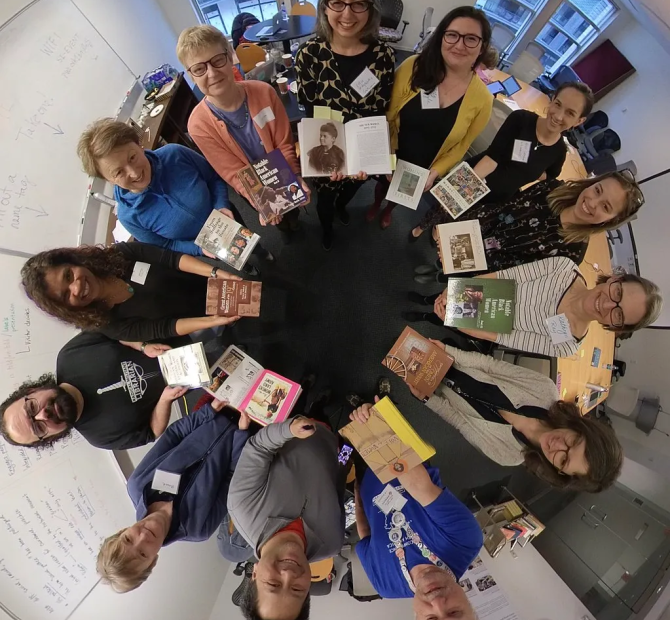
<point>120,386</point>
<point>167,294</point>
<point>350,67</point>
<point>295,27</point>
<point>423,132</point>
<point>510,176</point>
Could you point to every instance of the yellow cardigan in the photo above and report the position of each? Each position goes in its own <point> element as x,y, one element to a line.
<point>473,116</point>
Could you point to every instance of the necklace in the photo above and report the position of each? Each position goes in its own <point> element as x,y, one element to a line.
<point>244,122</point>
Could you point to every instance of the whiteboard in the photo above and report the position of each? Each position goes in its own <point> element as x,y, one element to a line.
<point>58,75</point>
<point>58,505</point>
<point>29,338</point>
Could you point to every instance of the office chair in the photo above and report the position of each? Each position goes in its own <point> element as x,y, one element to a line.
<point>323,574</point>
<point>535,50</point>
<point>426,29</point>
<point>391,16</point>
<point>249,54</point>
<point>356,582</point>
<point>303,8</point>
<point>499,114</point>
<point>526,68</point>
<point>501,37</point>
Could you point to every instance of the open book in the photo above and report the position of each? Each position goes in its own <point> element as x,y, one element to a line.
<point>185,366</point>
<point>459,190</point>
<point>418,362</point>
<point>481,303</point>
<point>461,247</point>
<point>387,442</point>
<point>407,184</point>
<point>233,297</point>
<point>272,186</point>
<point>227,240</point>
<point>243,383</point>
<point>328,146</point>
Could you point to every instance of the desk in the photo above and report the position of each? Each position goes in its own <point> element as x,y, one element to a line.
<point>290,100</point>
<point>296,27</point>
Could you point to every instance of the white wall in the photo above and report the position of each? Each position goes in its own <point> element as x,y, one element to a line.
<point>180,14</point>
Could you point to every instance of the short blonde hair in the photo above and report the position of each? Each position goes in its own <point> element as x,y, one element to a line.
<point>117,569</point>
<point>195,38</point>
<point>100,139</point>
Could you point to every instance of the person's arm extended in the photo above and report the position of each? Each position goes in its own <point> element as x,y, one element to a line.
<point>485,166</point>
<point>218,188</point>
<point>418,484</point>
<point>307,83</point>
<point>283,136</point>
<point>151,349</point>
<point>362,524</point>
<point>175,245</point>
<point>190,264</point>
<point>478,333</point>
<point>161,413</point>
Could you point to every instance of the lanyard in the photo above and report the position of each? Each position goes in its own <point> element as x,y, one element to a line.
<point>395,535</point>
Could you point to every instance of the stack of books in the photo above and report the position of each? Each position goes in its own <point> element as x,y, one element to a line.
<point>507,522</point>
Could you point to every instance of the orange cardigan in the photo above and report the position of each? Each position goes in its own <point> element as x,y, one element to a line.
<point>223,153</point>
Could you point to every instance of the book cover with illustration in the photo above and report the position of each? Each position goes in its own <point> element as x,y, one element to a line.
<point>185,366</point>
<point>461,247</point>
<point>233,297</point>
<point>227,240</point>
<point>460,190</point>
<point>418,362</point>
<point>387,442</point>
<point>273,187</point>
<point>271,398</point>
<point>481,303</point>
<point>233,376</point>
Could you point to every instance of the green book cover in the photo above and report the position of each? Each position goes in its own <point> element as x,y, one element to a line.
<point>481,303</point>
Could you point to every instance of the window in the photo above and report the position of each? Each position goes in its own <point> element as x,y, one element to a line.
<point>222,13</point>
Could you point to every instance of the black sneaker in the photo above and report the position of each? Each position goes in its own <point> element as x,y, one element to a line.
<point>327,241</point>
<point>354,400</point>
<point>413,317</point>
<point>417,298</point>
<point>252,271</point>
<point>343,216</point>
<point>383,387</point>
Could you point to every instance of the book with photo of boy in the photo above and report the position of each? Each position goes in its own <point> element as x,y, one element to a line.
<point>227,240</point>
<point>481,303</point>
<point>272,186</point>
<point>459,190</point>
<point>328,146</point>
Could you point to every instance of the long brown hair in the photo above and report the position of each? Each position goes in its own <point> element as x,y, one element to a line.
<point>368,35</point>
<point>102,262</point>
<point>566,195</point>
<point>602,449</point>
<point>652,297</point>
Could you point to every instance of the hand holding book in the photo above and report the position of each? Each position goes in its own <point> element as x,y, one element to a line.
<point>362,414</point>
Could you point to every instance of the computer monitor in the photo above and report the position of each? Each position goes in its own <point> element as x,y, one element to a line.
<point>495,88</point>
<point>511,86</point>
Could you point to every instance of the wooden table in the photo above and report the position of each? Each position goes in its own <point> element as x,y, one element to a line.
<point>573,373</point>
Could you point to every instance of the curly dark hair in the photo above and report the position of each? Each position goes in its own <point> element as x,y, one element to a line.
<point>103,262</point>
<point>249,604</point>
<point>603,452</point>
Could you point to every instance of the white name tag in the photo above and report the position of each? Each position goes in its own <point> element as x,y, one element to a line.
<point>365,82</point>
<point>264,117</point>
<point>166,482</point>
<point>521,151</point>
<point>559,329</point>
<point>140,272</point>
<point>389,499</point>
<point>430,101</point>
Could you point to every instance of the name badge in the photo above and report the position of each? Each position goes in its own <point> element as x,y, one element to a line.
<point>491,243</point>
<point>521,151</point>
<point>365,82</point>
<point>140,272</point>
<point>166,482</point>
<point>430,101</point>
<point>389,499</point>
<point>559,329</point>
<point>264,117</point>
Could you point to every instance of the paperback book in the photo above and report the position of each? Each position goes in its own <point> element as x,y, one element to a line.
<point>461,247</point>
<point>272,186</point>
<point>243,383</point>
<point>481,303</point>
<point>407,184</point>
<point>387,442</point>
<point>328,146</point>
<point>185,366</point>
<point>233,297</point>
<point>459,190</point>
<point>418,362</point>
<point>227,240</point>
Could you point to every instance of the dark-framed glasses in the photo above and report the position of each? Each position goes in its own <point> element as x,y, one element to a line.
<point>615,293</point>
<point>561,457</point>
<point>469,40</point>
<point>357,7</point>
<point>200,68</point>
<point>32,408</point>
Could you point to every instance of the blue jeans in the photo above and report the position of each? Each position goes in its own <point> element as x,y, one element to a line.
<point>233,547</point>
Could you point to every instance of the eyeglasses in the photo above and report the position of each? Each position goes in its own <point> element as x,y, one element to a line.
<point>32,408</point>
<point>627,176</point>
<point>356,7</point>
<point>469,40</point>
<point>561,458</point>
<point>615,293</point>
<point>200,68</point>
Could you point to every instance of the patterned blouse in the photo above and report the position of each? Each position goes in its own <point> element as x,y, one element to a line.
<point>320,82</point>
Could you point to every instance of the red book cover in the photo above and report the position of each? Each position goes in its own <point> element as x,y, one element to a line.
<point>233,297</point>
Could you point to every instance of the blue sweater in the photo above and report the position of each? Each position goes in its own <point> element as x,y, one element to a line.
<point>184,190</point>
<point>210,444</point>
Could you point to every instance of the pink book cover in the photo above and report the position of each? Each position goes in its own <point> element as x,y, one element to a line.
<point>271,398</point>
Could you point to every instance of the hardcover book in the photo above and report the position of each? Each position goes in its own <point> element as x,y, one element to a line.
<point>387,442</point>
<point>272,186</point>
<point>418,362</point>
<point>481,303</point>
<point>461,247</point>
<point>233,297</point>
<point>459,190</point>
<point>407,184</point>
<point>227,240</point>
<point>271,398</point>
<point>185,366</point>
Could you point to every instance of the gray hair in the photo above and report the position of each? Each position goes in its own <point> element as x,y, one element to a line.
<point>369,34</point>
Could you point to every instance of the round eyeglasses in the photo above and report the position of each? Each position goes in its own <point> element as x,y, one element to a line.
<point>469,40</point>
<point>200,68</point>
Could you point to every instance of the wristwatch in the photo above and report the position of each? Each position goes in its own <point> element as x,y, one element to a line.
<point>213,272</point>
<point>143,346</point>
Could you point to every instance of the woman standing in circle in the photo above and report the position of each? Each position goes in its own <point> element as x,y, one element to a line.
<point>439,105</point>
<point>348,70</point>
